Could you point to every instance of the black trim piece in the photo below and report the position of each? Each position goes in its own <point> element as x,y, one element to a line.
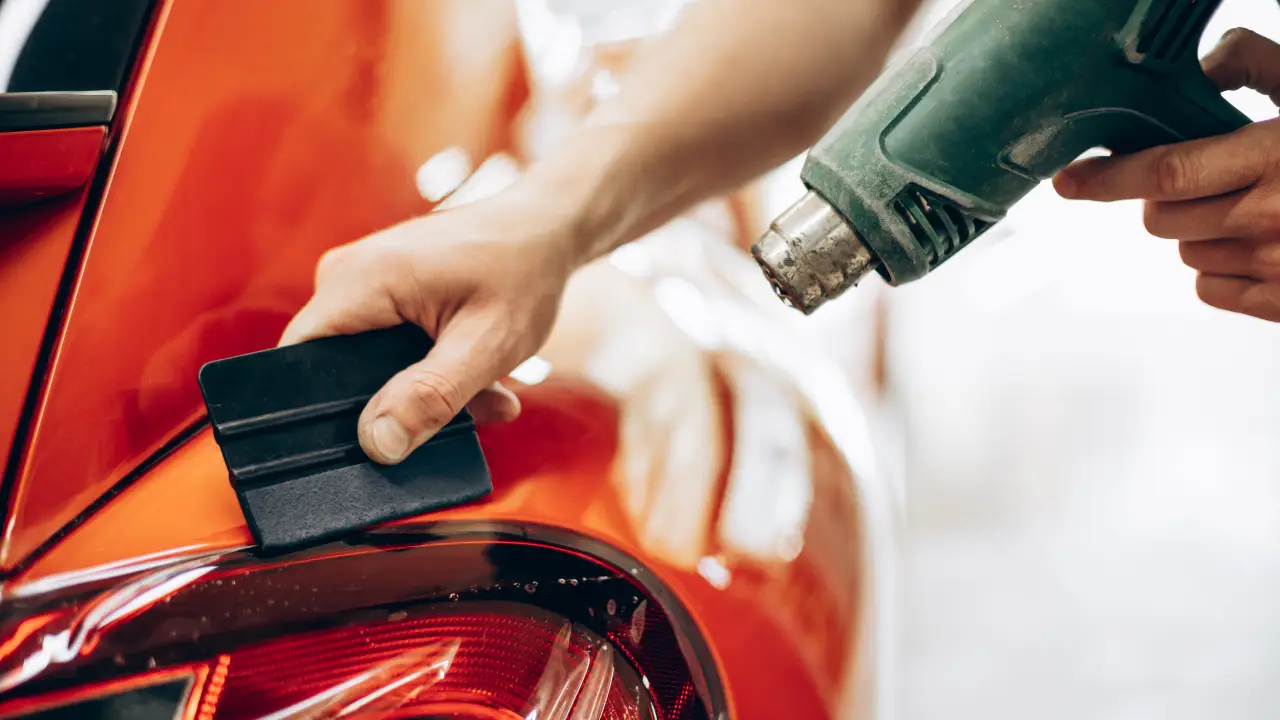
<point>48,110</point>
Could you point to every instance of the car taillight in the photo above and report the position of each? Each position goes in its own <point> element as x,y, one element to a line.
<point>472,623</point>
<point>469,661</point>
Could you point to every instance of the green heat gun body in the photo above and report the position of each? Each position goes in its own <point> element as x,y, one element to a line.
<point>1009,93</point>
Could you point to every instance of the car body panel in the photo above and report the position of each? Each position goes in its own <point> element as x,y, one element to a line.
<point>34,244</point>
<point>35,239</point>
<point>713,467</point>
<point>257,142</point>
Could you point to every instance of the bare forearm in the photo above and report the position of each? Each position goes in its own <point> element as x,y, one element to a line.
<point>737,87</point>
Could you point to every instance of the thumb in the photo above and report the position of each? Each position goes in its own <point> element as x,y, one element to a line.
<point>421,399</point>
<point>1244,58</point>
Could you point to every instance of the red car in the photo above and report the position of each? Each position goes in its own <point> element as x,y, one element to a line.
<point>682,526</point>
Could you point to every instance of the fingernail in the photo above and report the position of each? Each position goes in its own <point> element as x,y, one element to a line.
<point>390,438</point>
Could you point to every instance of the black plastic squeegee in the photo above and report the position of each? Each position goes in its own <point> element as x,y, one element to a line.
<point>286,422</point>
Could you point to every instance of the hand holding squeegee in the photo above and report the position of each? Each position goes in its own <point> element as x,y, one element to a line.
<point>286,422</point>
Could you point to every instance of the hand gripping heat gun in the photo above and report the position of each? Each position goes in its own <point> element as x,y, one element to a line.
<point>1005,96</point>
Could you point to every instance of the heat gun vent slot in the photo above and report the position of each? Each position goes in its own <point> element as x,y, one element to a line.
<point>1173,27</point>
<point>939,226</point>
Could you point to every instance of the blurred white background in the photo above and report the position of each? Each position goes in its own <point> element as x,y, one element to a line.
<point>1089,459</point>
<point>1091,472</point>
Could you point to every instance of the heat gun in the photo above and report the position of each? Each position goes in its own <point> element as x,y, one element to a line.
<point>1006,95</point>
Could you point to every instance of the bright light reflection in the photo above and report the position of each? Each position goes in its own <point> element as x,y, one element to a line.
<point>443,173</point>
<point>632,259</point>
<point>688,308</point>
<point>604,85</point>
<point>714,572</point>
<point>17,20</point>
<point>493,176</point>
<point>552,41</point>
<point>770,491</point>
<point>532,371</point>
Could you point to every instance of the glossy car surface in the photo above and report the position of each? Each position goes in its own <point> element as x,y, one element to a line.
<point>671,417</point>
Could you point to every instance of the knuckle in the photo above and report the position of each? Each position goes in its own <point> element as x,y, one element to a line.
<point>1175,172</point>
<point>1265,262</point>
<point>1269,217</point>
<point>1262,300</point>
<point>1257,140</point>
<point>1264,144</point>
<point>436,398</point>
<point>1238,38</point>
<point>1254,152</point>
<point>331,260</point>
<point>1254,219</point>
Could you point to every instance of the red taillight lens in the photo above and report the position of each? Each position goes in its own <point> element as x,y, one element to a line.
<point>453,621</point>
<point>465,661</point>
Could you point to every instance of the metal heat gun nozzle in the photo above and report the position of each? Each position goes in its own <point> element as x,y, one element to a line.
<point>811,254</point>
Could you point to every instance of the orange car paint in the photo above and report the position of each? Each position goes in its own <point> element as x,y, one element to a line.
<point>34,242</point>
<point>255,143</point>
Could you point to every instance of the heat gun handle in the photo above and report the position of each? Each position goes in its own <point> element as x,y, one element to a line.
<point>1144,113</point>
<point>1192,107</point>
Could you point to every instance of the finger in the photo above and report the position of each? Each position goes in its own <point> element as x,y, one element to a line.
<point>1182,171</point>
<point>494,404</point>
<point>328,314</point>
<point>1241,295</point>
<point>1245,59</point>
<point>1231,215</point>
<point>424,397</point>
<point>311,322</point>
<point>1238,258</point>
